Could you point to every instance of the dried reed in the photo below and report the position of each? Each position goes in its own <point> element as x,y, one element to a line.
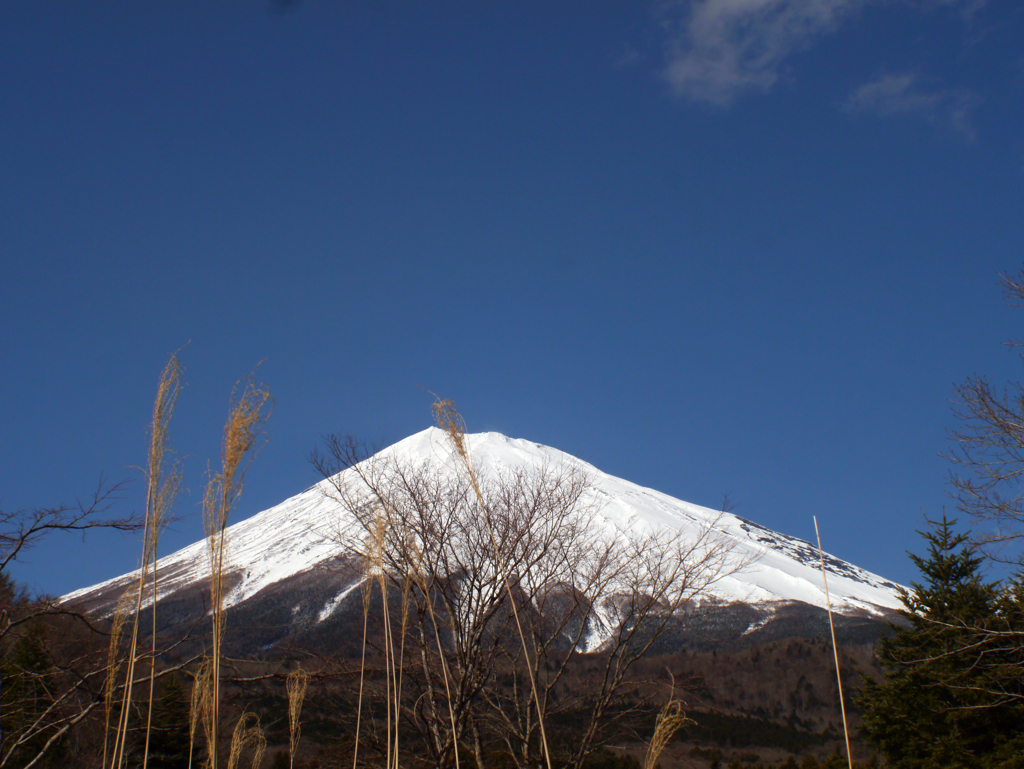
<point>199,708</point>
<point>113,664</point>
<point>165,497</point>
<point>247,415</point>
<point>161,491</point>
<point>835,649</point>
<point>246,736</point>
<point>670,720</point>
<point>295,684</point>
<point>366,588</point>
<point>448,419</point>
<point>406,586</point>
<point>375,570</point>
<point>416,573</point>
<point>378,545</point>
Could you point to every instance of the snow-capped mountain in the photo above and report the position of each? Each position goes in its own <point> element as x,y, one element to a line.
<point>290,546</point>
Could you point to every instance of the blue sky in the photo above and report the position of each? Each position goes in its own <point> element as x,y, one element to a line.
<point>718,246</point>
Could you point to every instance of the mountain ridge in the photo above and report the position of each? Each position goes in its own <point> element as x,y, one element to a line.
<point>300,535</point>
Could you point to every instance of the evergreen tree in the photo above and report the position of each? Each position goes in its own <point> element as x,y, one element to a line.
<point>168,742</point>
<point>28,686</point>
<point>939,705</point>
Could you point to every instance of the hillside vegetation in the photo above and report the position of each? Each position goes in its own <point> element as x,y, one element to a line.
<point>473,640</point>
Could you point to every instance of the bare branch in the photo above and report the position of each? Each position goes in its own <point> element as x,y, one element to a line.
<point>474,550</point>
<point>20,530</point>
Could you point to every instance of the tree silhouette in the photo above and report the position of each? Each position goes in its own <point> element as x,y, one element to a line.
<point>945,701</point>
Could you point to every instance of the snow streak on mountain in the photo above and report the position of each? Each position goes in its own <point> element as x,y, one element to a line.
<point>301,533</point>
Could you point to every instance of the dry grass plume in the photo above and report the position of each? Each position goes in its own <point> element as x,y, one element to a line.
<point>670,720</point>
<point>114,664</point>
<point>448,419</point>
<point>199,708</point>
<point>295,684</point>
<point>247,736</point>
<point>243,432</point>
<point>162,486</point>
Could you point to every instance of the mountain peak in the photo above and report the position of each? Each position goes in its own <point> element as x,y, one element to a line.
<point>299,535</point>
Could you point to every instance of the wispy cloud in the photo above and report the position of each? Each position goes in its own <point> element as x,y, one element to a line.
<point>718,50</point>
<point>628,57</point>
<point>904,94</point>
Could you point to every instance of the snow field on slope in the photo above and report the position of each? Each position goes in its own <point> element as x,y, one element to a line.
<point>303,531</point>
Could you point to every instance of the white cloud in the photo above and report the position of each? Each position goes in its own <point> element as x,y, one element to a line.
<point>892,95</point>
<point>719,49</point>
<point>904,94</point>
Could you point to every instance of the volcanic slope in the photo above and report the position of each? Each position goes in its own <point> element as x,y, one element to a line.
<point>294,546</point>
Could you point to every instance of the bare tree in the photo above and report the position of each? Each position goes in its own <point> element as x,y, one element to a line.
<point>45,653</point>
<point>503,582</point>
<point>68,677</point>
<point>51,667</point>
<point>987,478</point>
<point>987,483</point>
<point>56,667</point>
<point>21,530</point>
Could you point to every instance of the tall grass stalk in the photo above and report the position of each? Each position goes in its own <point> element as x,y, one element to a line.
<point>375,570</point>
<point>163,493</point>
<point>835,649</point>
<point>366,589</point>
<point>113,665</point>
<point>295,685</point>
<point>162,485</point>
<point>390,679</point>
<point>247,415</point>
<point>416,573</point>
<point>670,720</point>
<point>247,734</point>
<point>451,422</point>
<point>200,705</point>
<point>406,586</point>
